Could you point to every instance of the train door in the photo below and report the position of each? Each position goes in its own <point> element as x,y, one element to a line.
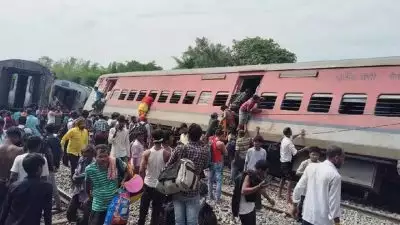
<point>29,92</point>
<point>109,86</point>
<point>13,89</point>
<point>244,83</point>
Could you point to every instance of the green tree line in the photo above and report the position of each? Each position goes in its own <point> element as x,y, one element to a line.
<point>248,51</point>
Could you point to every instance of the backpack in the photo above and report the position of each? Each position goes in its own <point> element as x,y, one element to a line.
<point>207,215</point>
<point>138,129</point>
<point>180,176</point>
<point>187,178</point>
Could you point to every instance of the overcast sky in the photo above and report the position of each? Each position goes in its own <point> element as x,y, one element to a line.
<point>119,30</point>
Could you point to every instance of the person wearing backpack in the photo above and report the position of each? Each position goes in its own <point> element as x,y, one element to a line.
<point>152,163</point>
<point>187,203</point>
<point>247,187</point>
<point>218,150</point>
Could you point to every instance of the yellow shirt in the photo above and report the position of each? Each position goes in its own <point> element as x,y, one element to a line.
<point>78,140</point>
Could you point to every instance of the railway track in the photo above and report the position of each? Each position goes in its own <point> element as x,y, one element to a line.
<point>65,198</point>
<point>59,218</point>
<point>360,209</point>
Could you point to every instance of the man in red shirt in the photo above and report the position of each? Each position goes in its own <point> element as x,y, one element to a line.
<point>246,109</point>
<point>218,150</point>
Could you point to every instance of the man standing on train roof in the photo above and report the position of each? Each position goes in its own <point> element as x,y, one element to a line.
<point>321,184</point>
<point>287,151</point>
<point>245,111</point>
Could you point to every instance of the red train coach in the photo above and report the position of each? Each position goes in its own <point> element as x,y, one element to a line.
<point>351,103</point>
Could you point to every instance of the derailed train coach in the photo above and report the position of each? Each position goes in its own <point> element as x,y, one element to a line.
<point>23,84</point>
<point>354,104</point>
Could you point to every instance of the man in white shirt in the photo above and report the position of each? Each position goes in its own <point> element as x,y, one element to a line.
<point>119,140</point>
<point>287,151</point>
<point>321,184</point>
<point>18,172</point>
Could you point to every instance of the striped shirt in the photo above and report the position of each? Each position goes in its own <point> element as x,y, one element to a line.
<point>242,145</point>
<point>103,189</point>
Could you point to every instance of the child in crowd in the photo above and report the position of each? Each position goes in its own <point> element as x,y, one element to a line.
<point>314,153</point>
<point>79,194</point>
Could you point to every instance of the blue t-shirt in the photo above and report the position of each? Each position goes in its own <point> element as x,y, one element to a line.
<point>99,95</point>
<point>33,123</point>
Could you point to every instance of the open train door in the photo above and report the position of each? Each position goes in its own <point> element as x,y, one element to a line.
<point>247,82</point>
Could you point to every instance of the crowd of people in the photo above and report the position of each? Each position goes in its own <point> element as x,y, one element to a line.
<point>100,151</point>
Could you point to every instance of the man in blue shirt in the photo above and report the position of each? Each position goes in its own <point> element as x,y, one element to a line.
<point>33,123</point>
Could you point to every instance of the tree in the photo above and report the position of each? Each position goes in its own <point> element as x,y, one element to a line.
<point>86,72</point>
<point>205,54</point>
<point>252,51</point>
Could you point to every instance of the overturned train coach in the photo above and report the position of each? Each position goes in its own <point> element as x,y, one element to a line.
<point>23,83</point>
<point>353,103</point>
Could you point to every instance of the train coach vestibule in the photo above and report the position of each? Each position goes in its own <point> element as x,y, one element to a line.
<point>250,83</point>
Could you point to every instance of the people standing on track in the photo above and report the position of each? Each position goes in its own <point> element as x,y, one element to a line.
<point>22,125</point>
<point>30,198</point>
<point>79,195</point>
<point>247,189</point>
<point>168,141</point>
<point>71,121</point>
<point>254,155</point>
<point>321,184</point>
<point>152,163</point>
<point>314,154</point>
<point>218,150</point>
<point>119,140</point>
<point>183,130</point>
<point>33,145</point>
<point>101,130</point>
<point>32,122</point>
<point>243,143</point>
<point>78,139</point>
<point>213,124</point>
<point>287,151</point>
<point>245,111</point>
<point>88,121</point>
<point>228,120</point>
<point>137,149</point>
<point>102,182</point>
<point>9,150</point>
<point>187,203</point>
<point>52,144</point>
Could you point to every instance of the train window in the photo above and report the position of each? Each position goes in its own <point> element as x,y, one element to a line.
<point>115,94</point>
<point>292,101</point>
<point>267,100</point>
<point>220,98</point>
<point>153,94</point>
<point>141,95</point>
<point>189,97</point>
<point>353,104</point>
<point>176,96</point>
<point>163,97</point>
<point>132,95</point>
<point>123,94</point>
<point>388,105</point>
<point>204,98</point>
<point>320,103</point>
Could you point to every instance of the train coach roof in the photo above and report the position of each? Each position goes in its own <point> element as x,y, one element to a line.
<point>383,61</point>
<point>33,67</point>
